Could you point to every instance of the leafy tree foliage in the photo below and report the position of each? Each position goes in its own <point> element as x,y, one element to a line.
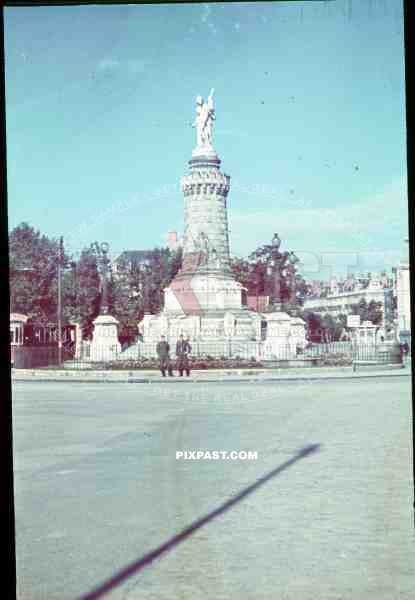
<point>284,282</point>
<point>334,328</point>
<point>375,312</point>
<point>240,270</point>
<point>138,288</point>
<point>325,328</point>
<point>314,326</point>
<point>83,303</point>
<point>34,282</point>
<point>371,311</point>
<point>33,273</point>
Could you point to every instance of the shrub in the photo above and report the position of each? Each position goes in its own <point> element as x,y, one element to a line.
<point>198,363</point>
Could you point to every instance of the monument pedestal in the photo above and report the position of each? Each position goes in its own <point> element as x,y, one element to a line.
<point>201,293</point>
<point>277,344</point>
<point>105,345</point>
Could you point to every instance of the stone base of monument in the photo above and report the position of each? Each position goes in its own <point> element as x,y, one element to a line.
<point>218,333</point>
<point>224,334</point>
<point>285,335</point>
<point>105,345</point>
<point>202,293</point>
<point>204,300</point>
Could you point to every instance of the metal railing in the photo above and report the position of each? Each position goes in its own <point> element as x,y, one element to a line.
<point>33,357</point>
<point>229,352</point>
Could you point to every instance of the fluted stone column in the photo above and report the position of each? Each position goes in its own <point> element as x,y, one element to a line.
<point>208,283</point>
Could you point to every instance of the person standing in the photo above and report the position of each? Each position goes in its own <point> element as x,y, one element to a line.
<point>404,351</point>
<point>163,353</point>
<point>401,355</point>
<point>183,349</point>
<point>188,352</point>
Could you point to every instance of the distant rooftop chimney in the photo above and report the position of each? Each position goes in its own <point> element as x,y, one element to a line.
<point>172,239</point>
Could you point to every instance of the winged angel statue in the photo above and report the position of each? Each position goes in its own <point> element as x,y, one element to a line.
<point>205,115</point>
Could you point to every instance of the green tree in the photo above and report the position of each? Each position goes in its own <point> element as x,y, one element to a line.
<point>127,294</point>
<point>240,268</point>
<point>314,326</point>
<point>33,273</point>
<point>254,274</point>
<point>361,309</point>
<point>138,288</point>
<point>372,311</point>
<point>329,328</point>
<point>341,333</point>
<point>325,328</point>
<point>375,312</point>
<point>334,327</point>
<point>159,275</point>
<point>83,291</point>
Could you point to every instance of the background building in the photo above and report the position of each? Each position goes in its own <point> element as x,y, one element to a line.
<point>173,241</point>
<point>341,297</point>
<point>403,299</point>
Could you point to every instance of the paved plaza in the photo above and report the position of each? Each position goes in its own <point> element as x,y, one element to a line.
<point>97,486</point>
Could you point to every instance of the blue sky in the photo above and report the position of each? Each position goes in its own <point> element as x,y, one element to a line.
<point>309,101</point>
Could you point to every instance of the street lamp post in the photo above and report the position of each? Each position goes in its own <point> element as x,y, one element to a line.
<point>277,264</point>
<point>60,259</point>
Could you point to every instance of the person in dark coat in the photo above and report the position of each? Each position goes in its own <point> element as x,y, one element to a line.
<point>404,351</point>
<point>401,355</point>
<point>183,349</point>
<point>163,353</point>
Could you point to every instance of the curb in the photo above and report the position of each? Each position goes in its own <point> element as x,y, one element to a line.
<point>238,379</point>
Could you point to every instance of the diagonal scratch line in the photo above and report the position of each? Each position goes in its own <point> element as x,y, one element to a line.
<point>148,558</point>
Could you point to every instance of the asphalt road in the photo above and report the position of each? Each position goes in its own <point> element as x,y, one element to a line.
<point>97,486</point>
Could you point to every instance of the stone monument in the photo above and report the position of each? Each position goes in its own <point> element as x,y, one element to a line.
<point>204,301</point>
<point>105,345</point>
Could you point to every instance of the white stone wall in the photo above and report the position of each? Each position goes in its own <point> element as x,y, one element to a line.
<point>403,297</point>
